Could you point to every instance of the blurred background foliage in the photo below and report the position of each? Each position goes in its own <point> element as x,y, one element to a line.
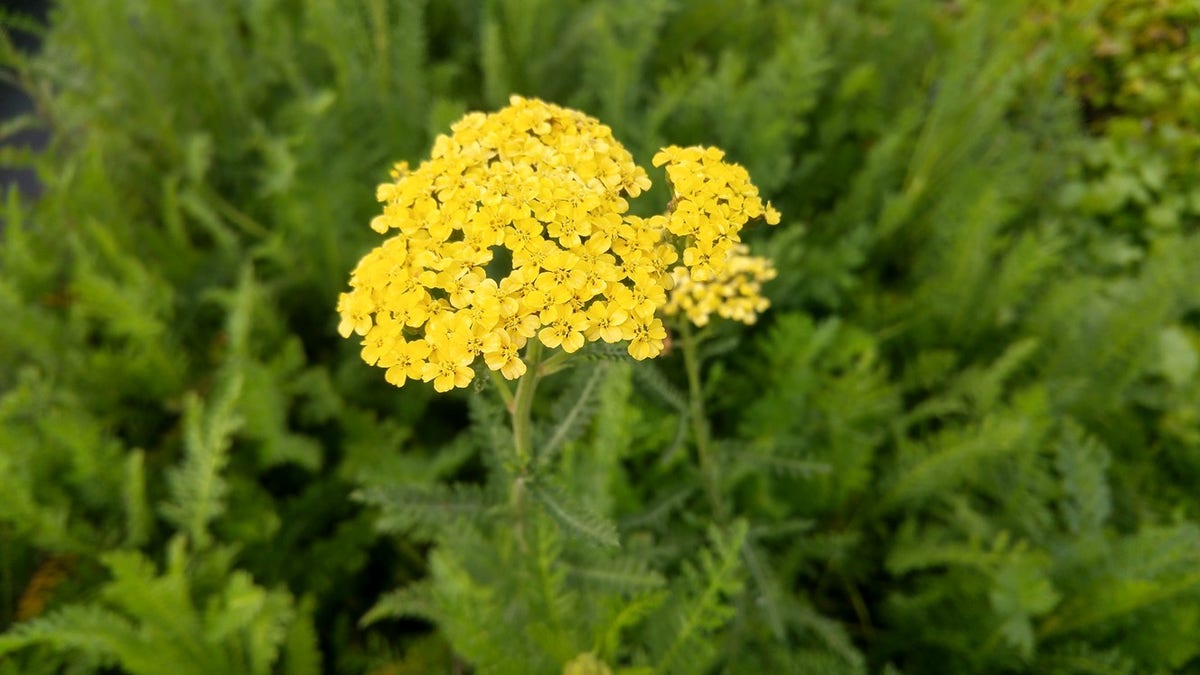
<point>966,438</point>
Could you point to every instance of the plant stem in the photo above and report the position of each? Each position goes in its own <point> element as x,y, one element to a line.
<point>555,363</point>
<point>505,391</point>
<point>523,404</point>
<point>699,419</point>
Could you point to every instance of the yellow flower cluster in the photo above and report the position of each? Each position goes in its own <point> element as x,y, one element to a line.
<point>712,201</point>
<point>733,293</point>
<point>516,228</point>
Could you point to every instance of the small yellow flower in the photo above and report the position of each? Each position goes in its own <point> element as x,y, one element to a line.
<point>586,664</point>
<point>607,321</point>
<point>647,340</point>
<point>501,353</point>
<point>446,371</point>
<point>563,327</point>
<point>409,362</point>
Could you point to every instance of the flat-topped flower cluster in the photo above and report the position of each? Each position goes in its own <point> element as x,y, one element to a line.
<point>517,228</point>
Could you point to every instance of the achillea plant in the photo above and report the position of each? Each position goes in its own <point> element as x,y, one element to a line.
<point>516,230</point>
<point>514,236</point>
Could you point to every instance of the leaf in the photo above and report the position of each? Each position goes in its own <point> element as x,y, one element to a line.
<point>137,517</point>
<point>196,488</point>
<point>301,651</point>
<point>86,628</point>
<point>650,377</point>
<point>575,409</point>
<point>576,519</point>
<point>703,606</point>
<point>413,601</point>
<point>625,575</point>
<point>1082,461</point>
<point>628,615</point>
<point>424,509</point>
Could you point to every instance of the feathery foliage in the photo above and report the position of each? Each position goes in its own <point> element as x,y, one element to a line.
<point>965,439</point>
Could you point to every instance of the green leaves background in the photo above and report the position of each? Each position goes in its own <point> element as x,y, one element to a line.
<point>965,439</point>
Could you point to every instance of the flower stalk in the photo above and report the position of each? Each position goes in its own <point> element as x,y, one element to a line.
<point>699,419</point>
<point>522,406</point>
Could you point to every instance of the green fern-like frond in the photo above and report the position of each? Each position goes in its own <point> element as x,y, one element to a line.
<point>1082,462</point>
<point>425,510</point>
<point>700,605</point>
<point>472,616</point>
<point>626,614</point>
<point>149,623</point>
<point>956,454</point>
<point>652,378</point>
<point>554,607</point>
<point>831,635</point>
<point>489,429</point>
<point>620,39</point>
<point>622,574</point>
<point>576,519</point>
<point>571,414</point>
<point>1153,568</point>
<point>658,514</point>
<point>411,601</point>
<point>93,630</point>
<point>196,487</point>
<point>301,654</point>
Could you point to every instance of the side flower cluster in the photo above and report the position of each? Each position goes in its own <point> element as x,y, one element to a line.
<point>516,229</point>
<point>733,293</point>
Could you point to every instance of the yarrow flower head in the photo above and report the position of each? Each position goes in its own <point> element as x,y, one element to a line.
<point>516,229</point>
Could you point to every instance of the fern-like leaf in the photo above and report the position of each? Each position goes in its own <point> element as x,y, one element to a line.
<point>413,601</point>
<point>424,509</point>
<point>197,489</point>
<point>576,519</point>
<point>654,381</point>
<point>625,575</point>
<point>93,630</point>
<point>1081,461</point>
<point>573,411</point>
<point>702,606</point>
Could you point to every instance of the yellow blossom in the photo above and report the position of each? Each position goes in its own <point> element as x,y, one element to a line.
<point>647,340</point>
<point>563,327</point>
<point>501,353</point>
<point>409,362</point>
<point>586,664</point>
<point>517,228</point>
<point>609,322</point>
<point>446,371</point>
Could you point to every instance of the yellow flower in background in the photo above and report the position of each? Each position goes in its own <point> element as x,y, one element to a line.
<point>516,228</point>
<point>586,664</point>
<point>733,293</point>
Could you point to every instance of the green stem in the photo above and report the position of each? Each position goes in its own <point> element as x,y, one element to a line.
<point>556,362</point>
<point>523,404</point>
<point>699,420</point>
<point>502,386</point>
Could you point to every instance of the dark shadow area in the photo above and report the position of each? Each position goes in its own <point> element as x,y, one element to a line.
<point>14,102</point>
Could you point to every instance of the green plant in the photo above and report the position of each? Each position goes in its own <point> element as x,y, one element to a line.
<point>963,440</point>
